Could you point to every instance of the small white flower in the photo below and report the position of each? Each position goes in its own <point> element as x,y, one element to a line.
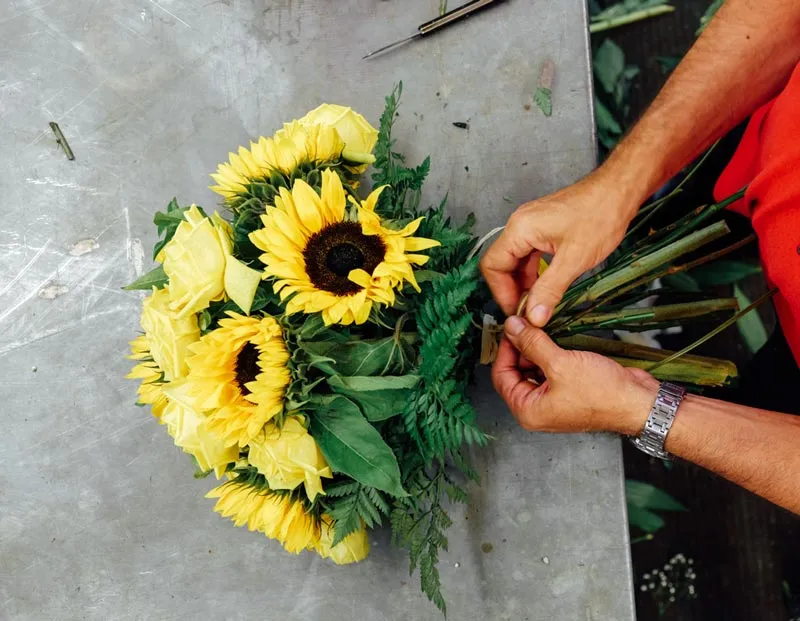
<point>646,577</point>
<point>672,599</point>
<point>667,566</point>
<point>690,561</point>
<point>672,590</point>
<point>644,588</point>
<point>652,586</point>
<point>691,590</point>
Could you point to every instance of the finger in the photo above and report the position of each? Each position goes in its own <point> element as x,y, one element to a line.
<point>499,266</point>
<point>533,344</point>
<point>549,288</point>
<point>519,394</point>
<point>528,271</point>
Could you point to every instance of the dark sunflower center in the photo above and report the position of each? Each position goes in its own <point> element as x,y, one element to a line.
<point>247,367</point>
<point>332,253</point>
<point>343,258</point>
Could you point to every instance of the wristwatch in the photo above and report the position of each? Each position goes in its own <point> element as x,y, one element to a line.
<point>654,434</point>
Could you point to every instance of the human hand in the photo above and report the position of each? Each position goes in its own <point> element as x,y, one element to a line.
<point>582,391</point>
<point>579,225</point>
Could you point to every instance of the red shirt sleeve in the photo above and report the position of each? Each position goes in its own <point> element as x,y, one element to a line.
<point>768,162</point>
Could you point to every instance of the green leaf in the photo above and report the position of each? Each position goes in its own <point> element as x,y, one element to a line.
<point>668,63</point>
<point>543,98</point>
<point>368,356</point>
<point>681,282</point>
<point>352,446</point>
<point>168,222</point>
<point>154,278</point>
<point>427,276</point>
<point>708,15</point>
<point>750,326</point>
<point>378,397</point>
<point>608,64</point>
<point>648,521</point>
<point>646,496</point>
<point>724,272</point>
<point>604,119</point>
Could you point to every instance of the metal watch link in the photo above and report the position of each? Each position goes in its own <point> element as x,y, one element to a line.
<point>662,414</point>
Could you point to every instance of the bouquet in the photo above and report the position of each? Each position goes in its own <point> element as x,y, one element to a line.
<point>313,348</point>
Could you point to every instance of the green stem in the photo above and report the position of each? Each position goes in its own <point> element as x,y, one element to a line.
<point>667,312</point>
<point>653,208</point>
<point>648,278</point>
<point>647,537</point>
<point>715,331</point>
<point>650,262</point>
<point>635,16</point>
<point>698,370</point>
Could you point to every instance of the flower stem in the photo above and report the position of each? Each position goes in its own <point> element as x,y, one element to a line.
<point>635,16</point>
<point>715,331</point>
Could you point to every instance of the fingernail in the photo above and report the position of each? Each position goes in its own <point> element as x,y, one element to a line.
<point>515,325</point>
<point>539,315</point>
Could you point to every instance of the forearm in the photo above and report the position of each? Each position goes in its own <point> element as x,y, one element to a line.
<point>757,449</point>
<point>742,60</point>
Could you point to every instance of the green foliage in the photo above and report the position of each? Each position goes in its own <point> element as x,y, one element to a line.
<point>167,223</point>
<point>419,523</point>
<point>613,82</point>
<point>708,15</point>
<point>643,502</point>
<point>456,241</point>
<point>405,184</point>
<point>350,503</point>
<point>378,398</point>
<point>154,278</point>
<point>543,98</point>
<point>352,446</point>
<point>722,272</point>
<point>391,355</point>
<point>438,416</point>
<point>750,326</point>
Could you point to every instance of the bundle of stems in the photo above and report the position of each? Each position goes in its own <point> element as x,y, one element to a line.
<point>608,298</point>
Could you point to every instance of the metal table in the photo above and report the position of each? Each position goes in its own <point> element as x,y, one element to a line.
<point>100,517</point>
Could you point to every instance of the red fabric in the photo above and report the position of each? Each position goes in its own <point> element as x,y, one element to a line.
<point>768,162</point>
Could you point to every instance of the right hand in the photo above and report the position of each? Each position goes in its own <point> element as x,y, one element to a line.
<point>579,225</point>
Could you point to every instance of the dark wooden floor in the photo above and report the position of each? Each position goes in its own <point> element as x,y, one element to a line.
<point>744,547</point>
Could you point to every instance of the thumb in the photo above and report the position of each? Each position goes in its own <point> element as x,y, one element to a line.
<point>549,288</point>
<point>532,343</point>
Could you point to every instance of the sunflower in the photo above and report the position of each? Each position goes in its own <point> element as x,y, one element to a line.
<point>288,457</point>
<point>238,375</point>
<point>150,390</point>
<point>328,263</point>
<point>276,515</point>
<point>290,147</point>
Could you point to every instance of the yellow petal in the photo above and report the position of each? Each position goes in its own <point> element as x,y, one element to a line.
<point>333,197</point>
<point>308,205</point>
<point>241,283</point>
<point>414,244</point>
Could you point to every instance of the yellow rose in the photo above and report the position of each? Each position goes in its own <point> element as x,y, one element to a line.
<point>353,548</point>
<point>201,268</point>
<point>288,457</point>
<point>190,431</point>
<point>358,135</point>
<point>168,335</point>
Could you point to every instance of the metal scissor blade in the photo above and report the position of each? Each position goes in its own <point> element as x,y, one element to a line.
<point>392,45</point>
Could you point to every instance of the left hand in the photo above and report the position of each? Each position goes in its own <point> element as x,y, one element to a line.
<point>583,391</point>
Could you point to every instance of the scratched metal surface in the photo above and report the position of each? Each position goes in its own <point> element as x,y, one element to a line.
<point>100,517</point>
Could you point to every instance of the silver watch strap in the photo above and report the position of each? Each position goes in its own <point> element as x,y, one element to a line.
<point>654,434</point>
